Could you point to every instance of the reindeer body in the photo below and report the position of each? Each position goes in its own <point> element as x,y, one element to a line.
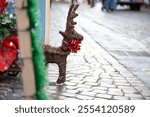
<point>56,55</point>
<point>59,55</point>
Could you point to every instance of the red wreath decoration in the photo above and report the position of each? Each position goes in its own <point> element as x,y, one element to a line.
<point>3,5</point>
<point>74,46</point>
<point>8,52</point>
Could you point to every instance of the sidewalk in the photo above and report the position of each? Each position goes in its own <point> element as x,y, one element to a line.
<point>11,89</point>
<point>91,73</point>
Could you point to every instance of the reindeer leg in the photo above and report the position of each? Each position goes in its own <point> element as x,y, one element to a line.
<point>62,72</point>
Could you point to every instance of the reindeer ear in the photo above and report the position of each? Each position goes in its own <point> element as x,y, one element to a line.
<point>62,33</point>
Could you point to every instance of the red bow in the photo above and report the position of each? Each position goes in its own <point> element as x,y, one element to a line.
<point>3,5</point>
<point>8,52</point>
<point>74,46</point>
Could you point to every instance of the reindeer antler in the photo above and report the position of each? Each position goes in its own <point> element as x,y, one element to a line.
<point>71,15</point>
<point>70,23</point>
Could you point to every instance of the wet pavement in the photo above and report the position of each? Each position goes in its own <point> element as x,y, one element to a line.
<point>124,34</point>
<point>92,73</point>
<point>11,89</point>
<point>112,58</point>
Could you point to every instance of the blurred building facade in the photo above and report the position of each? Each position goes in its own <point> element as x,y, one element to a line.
<point>83,1</point>
<point>69,1</point>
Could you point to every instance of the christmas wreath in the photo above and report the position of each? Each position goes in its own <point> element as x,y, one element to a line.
<point>8,40</point>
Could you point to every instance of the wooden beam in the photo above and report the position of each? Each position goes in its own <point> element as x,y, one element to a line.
<point>28,77</point>
<point>47,21</point>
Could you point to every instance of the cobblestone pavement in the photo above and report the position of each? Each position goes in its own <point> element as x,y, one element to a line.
<point>11,89</point>
<point>123,33</point>
<point>92,73</point>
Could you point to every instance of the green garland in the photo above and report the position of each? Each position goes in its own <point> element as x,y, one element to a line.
<point>38,55</point>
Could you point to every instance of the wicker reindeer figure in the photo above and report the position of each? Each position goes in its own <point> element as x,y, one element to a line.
<point>70,43</point>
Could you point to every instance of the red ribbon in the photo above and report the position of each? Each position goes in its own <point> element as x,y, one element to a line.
<point>74,46</point>
<point>8,52</point>
<point>3,5</point>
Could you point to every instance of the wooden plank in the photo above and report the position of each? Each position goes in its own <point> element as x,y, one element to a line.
<point>28,77</point>
<point>47,21</point>
<point>25,44</point>
<point>22,19</point>
<point>19,4</point>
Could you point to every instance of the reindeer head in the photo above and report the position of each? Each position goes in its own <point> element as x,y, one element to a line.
<point>70,34</point>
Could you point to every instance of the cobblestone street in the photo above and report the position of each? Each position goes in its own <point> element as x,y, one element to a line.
<point>92,73</point>
<point>124,34</point>
<point>11,89</point>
